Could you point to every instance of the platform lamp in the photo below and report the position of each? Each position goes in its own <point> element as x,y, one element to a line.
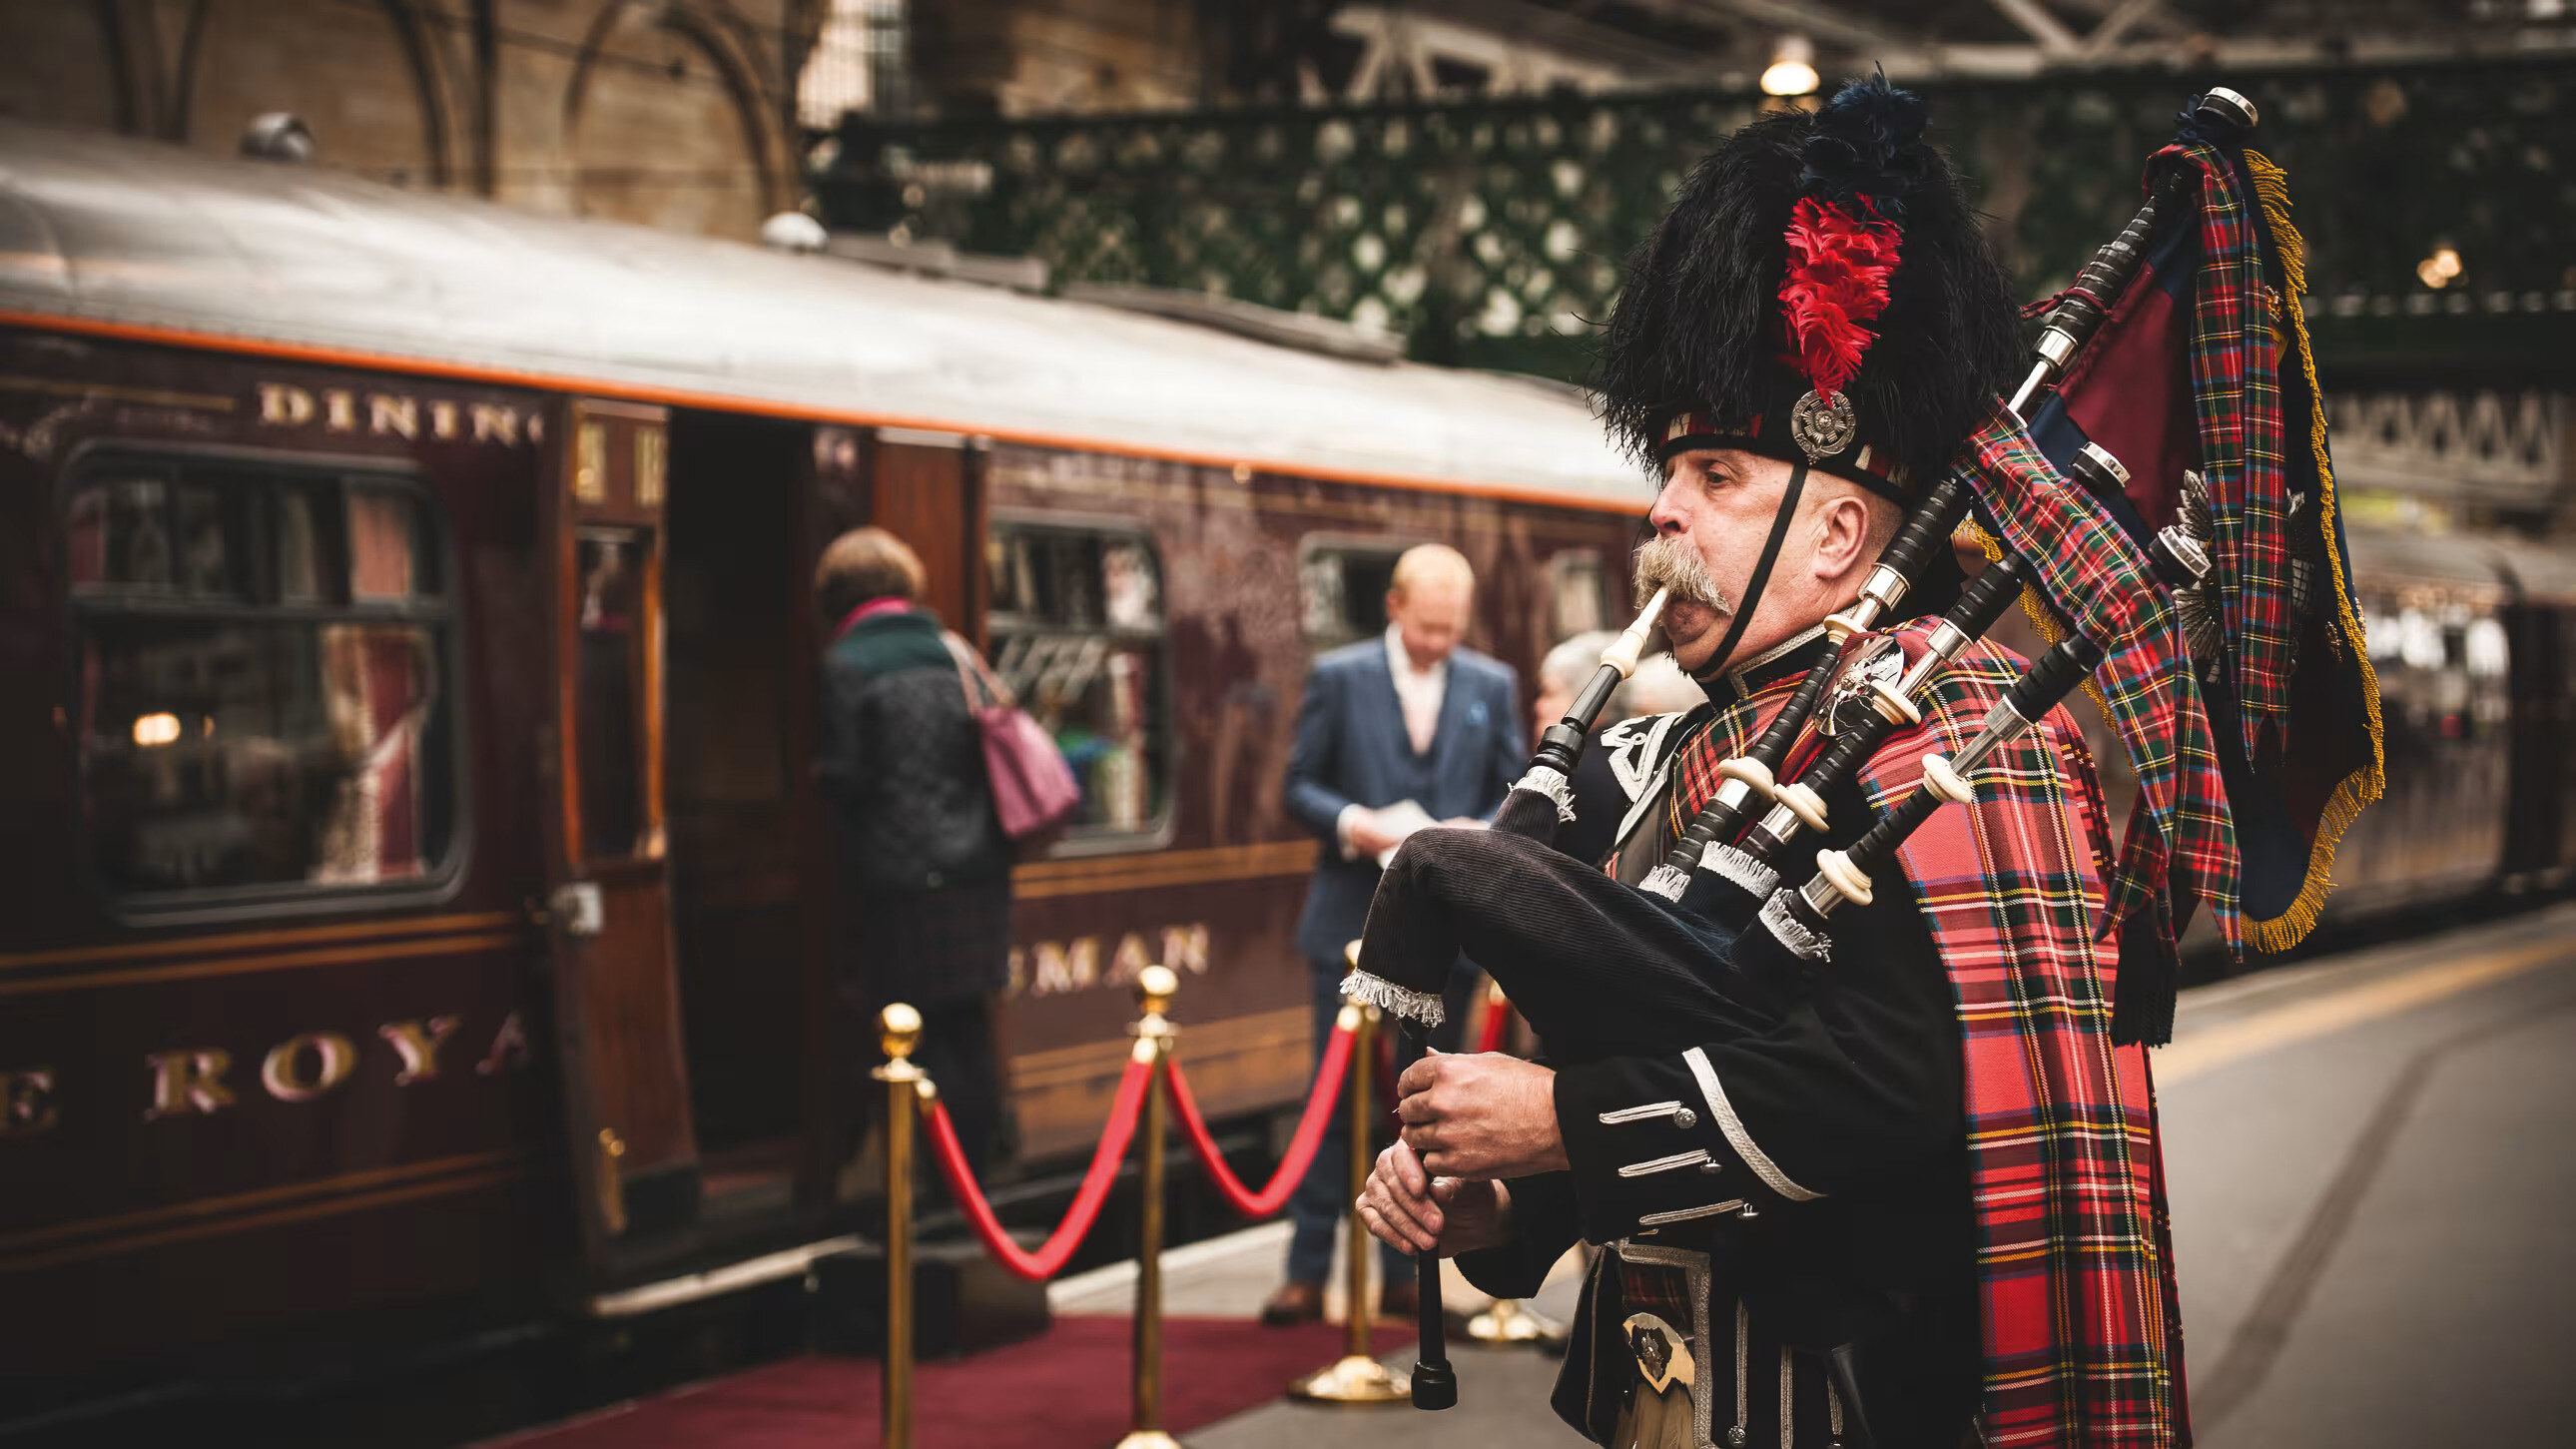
<point>1792,71</point>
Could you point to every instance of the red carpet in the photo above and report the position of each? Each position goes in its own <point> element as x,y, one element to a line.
<point>1065,1390</point>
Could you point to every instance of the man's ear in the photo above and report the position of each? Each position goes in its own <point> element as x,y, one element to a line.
<point>1842,532</point>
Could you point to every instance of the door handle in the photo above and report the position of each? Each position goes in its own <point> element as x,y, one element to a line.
<point>577,905</point>
<point>612,1181</point>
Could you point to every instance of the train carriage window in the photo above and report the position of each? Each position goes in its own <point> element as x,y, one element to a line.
<point>260,683</point>
<point>1578,592</point>
<point>610,673</point>
<point>1077,632</point>
<point>1342,586</point>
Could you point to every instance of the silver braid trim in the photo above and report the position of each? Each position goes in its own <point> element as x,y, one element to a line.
<point>1370,989</point>
<point>1734,865</point>
<point>1543,781</point>
<point>1664,881</point>
<point>1804,944</point>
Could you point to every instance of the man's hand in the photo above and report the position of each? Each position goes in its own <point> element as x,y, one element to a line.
<point>1409,1209</point>
<point>1367,836</point>
<point>1486,1116</point>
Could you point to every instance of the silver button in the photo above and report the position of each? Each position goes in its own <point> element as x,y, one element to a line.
<point>1685,1118</point>
<point>1712,1165</point>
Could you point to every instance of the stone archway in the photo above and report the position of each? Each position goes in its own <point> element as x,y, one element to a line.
<point>83,81</point>
<point>667,123</point>
<point>364,77</point>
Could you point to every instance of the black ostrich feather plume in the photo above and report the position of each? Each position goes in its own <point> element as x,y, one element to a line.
<point>1698,322</point>
<point>1868,142</point>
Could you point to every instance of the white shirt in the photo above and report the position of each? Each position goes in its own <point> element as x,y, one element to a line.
<point>1420,693</point>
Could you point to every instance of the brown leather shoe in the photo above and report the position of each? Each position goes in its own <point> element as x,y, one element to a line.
<point>1399,1300</point>
<point>1293,1304</point>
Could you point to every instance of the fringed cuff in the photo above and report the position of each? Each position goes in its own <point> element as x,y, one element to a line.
<point>1786,928</point>
<point>1543,781</point>
<point>1731,864</point>
<point>1665,882</point>
<point>1370,989</point>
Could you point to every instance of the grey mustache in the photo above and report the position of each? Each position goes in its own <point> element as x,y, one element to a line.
<point>1669,562</point>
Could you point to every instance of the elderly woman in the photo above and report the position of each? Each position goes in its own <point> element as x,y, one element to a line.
<point>922,868</point>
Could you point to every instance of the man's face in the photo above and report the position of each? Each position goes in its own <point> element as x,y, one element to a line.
<point>1430,617</point>
<point>1718,504</point>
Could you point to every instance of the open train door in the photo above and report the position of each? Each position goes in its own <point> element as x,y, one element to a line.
<point>617,1002</point>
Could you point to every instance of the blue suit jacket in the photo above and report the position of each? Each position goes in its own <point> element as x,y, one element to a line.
<point>1351,748</point>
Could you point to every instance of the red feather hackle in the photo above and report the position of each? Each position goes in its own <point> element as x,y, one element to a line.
<point>1839,267</point>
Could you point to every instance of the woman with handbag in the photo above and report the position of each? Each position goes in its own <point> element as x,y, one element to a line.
<point>931,779</point>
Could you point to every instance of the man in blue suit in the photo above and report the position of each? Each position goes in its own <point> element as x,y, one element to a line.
<point>1406,717</point>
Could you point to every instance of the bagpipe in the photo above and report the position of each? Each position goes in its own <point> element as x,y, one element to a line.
<point>1712,944</point>
<point>1531,916</point>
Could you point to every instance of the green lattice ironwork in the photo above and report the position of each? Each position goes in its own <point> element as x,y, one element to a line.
<point>1491,232</point>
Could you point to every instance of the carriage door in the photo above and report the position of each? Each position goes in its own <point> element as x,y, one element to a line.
<point>928,490</point>
<point>617,1004</point>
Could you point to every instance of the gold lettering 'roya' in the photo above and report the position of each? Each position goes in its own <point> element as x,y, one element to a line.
<point>418,1043</point>
<point>188,1083</point>
<point>305,1067</point>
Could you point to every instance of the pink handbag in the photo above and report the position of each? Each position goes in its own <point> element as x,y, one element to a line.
<point>1034,792</point>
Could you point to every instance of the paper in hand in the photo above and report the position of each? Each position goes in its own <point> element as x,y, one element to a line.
<point>1400,820</point>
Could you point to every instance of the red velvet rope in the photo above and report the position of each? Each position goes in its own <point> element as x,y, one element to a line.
<point>1301,1144</point>
<point>1049,1258</point>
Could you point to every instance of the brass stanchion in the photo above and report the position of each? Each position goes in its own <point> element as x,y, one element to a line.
<point>1507,1322</point>
<point>1357,1377</point>
<point>899,1031</point>
<point>1155,987</point>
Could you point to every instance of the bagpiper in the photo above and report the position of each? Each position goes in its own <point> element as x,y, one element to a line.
<point>1902,1186</point>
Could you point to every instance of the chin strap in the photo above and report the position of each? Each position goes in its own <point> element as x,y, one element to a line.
<point>1752,600</point>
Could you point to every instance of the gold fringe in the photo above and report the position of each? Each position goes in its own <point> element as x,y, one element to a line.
<point>2280,933</point>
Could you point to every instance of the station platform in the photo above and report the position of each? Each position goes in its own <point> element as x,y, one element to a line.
<point>2370,1157</point>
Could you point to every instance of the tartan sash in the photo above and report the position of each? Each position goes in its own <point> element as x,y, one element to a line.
<point>2237,396</point>
<point>2181,837</point>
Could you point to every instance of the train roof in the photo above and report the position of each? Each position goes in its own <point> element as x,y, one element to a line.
<point>130,237</point>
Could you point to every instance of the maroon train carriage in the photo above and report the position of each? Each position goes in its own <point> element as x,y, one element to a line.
<point>2471,637</point>
<point>409,876</point>
<point>408,860</point>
